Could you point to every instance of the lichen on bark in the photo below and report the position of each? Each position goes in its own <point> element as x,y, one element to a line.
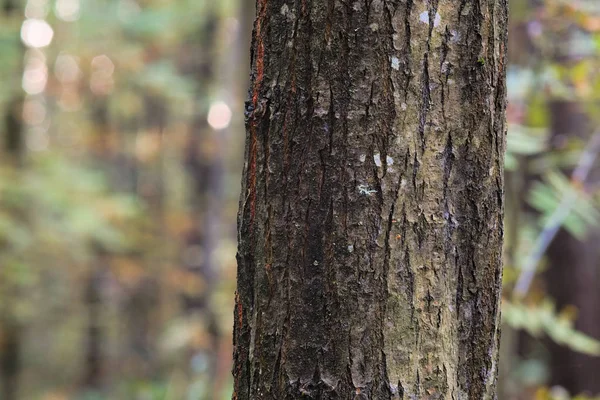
<point>370,222</point>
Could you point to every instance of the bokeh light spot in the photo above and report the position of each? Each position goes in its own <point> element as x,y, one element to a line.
<point>66,68</point>
<point>34,111</point>
<point>36,9</point>
<point>36,33</point>
<point>35,75</point>
<point>219,115</point>
<point>67,10</point>
<point>37,139</point>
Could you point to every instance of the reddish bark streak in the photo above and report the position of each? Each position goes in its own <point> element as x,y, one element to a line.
<point>240,311</point>
<point>260,71</point>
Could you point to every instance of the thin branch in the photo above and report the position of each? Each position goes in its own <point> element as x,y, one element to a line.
<point>559,215</point>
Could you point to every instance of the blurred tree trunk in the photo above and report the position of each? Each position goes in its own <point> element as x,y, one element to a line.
<point>573,274</point>
<point>10,327</point>
<point>145,179</point>
<point>235,78</point>
<point>144,297</point>
<point>94,344</point>
<point>10,362</point>
<point>370,221</point>
<point>14,149</point>
<point>204,165</point>
<point>522,53</point>
<point>10,357</point>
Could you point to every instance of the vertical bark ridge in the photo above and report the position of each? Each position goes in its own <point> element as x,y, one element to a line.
<point>371,210</point>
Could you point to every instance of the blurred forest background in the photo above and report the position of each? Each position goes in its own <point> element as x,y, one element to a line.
<point>122,148</point>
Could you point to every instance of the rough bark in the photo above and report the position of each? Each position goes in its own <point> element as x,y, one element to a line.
<point>370,223</point>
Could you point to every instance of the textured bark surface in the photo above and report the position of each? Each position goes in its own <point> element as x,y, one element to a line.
<point>370,222</point>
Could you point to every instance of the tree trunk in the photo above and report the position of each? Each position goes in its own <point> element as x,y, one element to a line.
<point>10,358</point>
<point>95,334</point>
<point>13,151</point>
<point>572,276</point>
<point>370,222</point>
<point>94,369</point>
